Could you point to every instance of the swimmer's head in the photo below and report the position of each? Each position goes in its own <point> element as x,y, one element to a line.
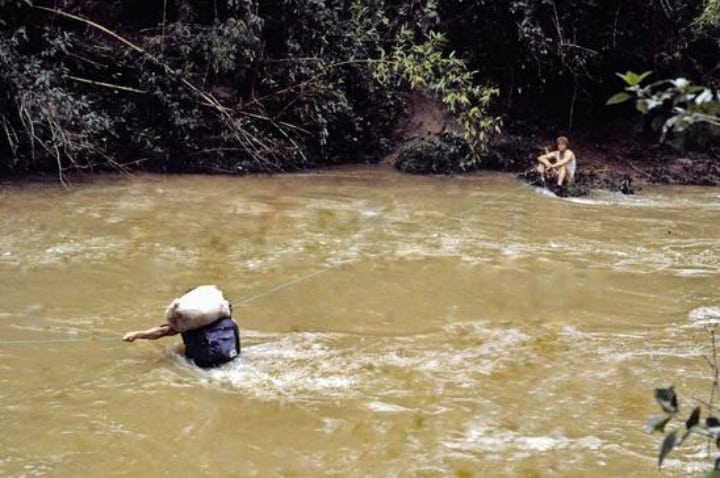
<point>562,143</point>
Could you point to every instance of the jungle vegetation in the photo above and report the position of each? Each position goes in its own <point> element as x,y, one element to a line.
<point>237,86</point>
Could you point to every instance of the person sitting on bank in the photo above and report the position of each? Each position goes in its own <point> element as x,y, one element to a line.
<point>204,319</point>
<point>564,163</point>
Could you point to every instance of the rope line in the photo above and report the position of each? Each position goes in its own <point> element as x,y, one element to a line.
<point>58,340</point>
<point>287,284</point>
<point>106,338</point>
<point>247,300</point>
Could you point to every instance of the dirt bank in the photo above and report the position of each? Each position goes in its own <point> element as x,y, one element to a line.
<point>609,157</point>
<point>614,159</point>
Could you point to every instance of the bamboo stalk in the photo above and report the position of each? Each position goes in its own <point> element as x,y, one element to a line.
<point>107,85</point>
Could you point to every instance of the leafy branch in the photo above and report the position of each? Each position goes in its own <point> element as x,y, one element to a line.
<point>683,102</point>
<point>424,66</point>
<point>668,401</point>
<point>710,15</point>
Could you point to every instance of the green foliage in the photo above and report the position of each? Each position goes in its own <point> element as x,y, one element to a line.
<point>633,79</point>
<point>43,120</point>
<point>680,103</point>
<point>232,86</point>
<point>709,428</point>
<point>222,86</point>
<point>248,85</point>
<point>711,15</point>
<point>668,401</point>
<point>547,56</point>
<point>618,98</point>
<point>425,67</point>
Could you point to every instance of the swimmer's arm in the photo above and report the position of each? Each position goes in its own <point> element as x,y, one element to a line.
<point>151,334</point>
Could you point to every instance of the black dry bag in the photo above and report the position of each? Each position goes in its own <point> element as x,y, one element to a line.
<point>214,344</point>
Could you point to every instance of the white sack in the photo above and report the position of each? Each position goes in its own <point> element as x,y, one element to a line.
<point>201,306</point>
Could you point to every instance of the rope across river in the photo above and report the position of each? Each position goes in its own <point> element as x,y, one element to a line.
<point>105,338</point>
<point>277,288</point>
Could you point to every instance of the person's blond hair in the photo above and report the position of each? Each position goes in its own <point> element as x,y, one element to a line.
<point>563,140</point>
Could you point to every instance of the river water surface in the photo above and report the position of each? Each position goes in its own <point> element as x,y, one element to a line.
<point>391,326</point>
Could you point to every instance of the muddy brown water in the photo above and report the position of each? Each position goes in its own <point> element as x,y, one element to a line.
<point>391,326</point>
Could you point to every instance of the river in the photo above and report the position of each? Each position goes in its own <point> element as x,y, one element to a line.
<point>391,326</point>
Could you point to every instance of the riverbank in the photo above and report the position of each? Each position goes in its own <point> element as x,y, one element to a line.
<point>618,163</point>
<point>611,158</point>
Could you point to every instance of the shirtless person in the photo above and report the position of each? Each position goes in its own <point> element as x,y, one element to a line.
<point>565,162</point>
<point>204,319</point>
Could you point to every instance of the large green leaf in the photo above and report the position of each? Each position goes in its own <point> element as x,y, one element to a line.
<point>632,79</point>
<point>639,78</point>
<point>618,98</point>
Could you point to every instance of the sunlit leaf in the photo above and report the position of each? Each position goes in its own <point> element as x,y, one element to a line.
<point>618,98</point>
<point>642,76</point>
<point>624,77</point>
<point>681,83</point>
<point>633,79</point>
<point>705,97</point>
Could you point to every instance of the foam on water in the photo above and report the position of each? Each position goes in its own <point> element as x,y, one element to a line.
<point>497,443</point>
<point>642,200</point>
<point>707,316</point>
<point>320,366</point>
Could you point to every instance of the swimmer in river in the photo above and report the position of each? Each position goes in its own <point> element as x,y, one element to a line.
<point>208,345</point>
<point>564,162</point>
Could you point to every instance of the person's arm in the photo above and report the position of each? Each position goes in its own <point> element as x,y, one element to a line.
<point>546,156</point>
<point>151,334</point>
<point>568,157</point>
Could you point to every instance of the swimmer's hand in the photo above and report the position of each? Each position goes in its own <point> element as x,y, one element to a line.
<point>150,334</point>
<point>130,336</point>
